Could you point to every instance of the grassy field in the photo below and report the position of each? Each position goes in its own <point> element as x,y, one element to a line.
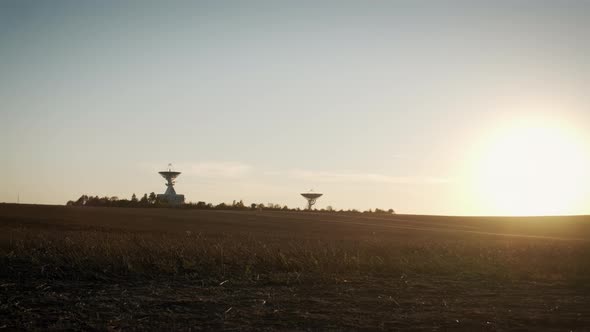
<point>172,269</point>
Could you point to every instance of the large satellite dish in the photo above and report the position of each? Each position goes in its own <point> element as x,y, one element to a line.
<point>311,198</point>
<point>170,195</point>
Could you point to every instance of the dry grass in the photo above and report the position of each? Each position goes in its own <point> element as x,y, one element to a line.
<point>276,252</point>
<point>244,256</point>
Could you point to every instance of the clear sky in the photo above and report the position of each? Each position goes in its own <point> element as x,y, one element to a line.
<point>419,106</point>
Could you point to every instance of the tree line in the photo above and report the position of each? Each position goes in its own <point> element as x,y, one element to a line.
<point>153,201</point>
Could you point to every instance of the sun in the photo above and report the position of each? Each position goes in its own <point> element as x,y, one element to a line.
<point>533,167</point>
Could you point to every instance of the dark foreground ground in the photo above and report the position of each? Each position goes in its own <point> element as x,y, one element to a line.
<point>166,269</point>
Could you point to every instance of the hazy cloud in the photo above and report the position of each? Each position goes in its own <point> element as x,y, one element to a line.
<point>331,176</point>
<point>216,169</point>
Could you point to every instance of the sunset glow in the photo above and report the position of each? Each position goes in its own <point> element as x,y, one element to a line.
<point>533,167</point>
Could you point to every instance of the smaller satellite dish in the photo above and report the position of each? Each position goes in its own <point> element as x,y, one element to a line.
<point>311,198</point>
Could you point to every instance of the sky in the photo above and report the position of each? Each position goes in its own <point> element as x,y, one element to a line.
<point>376,104</point>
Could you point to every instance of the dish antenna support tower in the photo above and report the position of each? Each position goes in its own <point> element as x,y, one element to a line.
<point>311,198</point>
<point>170,195</point>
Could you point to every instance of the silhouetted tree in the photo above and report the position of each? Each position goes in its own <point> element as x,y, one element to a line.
<point>81,201</point>
<point>201,205</point>
<point>144,201</point>
<point>152,198</point>
<point>239,205</point>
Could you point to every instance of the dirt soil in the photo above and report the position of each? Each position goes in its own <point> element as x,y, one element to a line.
<point>44,295</point>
